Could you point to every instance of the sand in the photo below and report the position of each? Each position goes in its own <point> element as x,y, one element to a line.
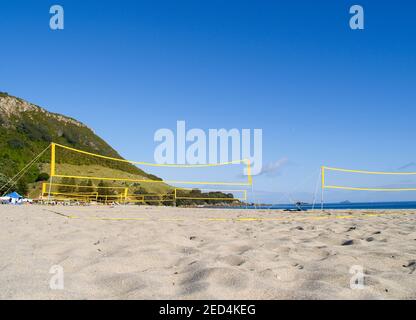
<point>137,252</point>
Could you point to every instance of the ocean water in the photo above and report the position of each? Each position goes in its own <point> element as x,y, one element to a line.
<point>343,206</point>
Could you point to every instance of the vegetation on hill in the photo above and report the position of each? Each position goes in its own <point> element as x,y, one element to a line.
<point>197,197</point>
<point>26,130</point>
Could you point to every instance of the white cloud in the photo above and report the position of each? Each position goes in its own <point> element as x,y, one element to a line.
<point>274,168</point>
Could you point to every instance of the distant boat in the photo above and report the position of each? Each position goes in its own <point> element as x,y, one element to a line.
<point>298,206</point>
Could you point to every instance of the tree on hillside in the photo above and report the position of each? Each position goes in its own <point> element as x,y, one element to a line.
<point>43,176</point>
<point>89,188</point>
<point>21,187</point>
<point>3,183</point>
<point>104,189</point>
<point>141,190</point>
<point>67,185</point>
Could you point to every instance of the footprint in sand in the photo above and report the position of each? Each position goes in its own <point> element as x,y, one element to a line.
<point>194,288</point>
<point>297,265</point>
<point>188,250</point>
<point>298,228</point>
<point>232,260</point>
<point>347,242</point>
<point>222,277</point>
<point>241,249</point>
<point>411,265</point>
<point>123,283</point>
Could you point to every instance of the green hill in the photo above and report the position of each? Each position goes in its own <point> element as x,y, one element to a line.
<point>27,129</point>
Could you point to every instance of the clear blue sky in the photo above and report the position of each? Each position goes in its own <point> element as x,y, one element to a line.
<point>321,92</point>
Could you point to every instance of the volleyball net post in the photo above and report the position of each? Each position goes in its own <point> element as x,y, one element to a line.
<point>52,169</point>
<point>322,187</point>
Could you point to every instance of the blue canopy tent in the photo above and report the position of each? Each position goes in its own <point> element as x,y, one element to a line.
<point>14,197</point>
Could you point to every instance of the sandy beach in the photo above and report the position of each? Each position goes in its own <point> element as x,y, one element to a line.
<point>132,252</point>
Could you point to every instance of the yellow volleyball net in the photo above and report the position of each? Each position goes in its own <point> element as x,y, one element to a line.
<point>85,176</point>
<point>240,169</point>
<point>83,193</point>
<point>362,180</point>
<point>100,194</point>
<point>351,180</point>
